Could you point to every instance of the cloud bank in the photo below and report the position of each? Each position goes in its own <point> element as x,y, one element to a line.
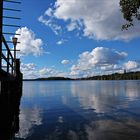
<point>98,61</point>
<point>31,71</point>
<point>100,20</point>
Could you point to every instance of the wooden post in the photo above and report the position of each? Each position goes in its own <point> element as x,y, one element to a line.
<point>8,62</point>
<point>15,62</point>
<point>17,67</point>
<point>12,68</point>
<point>14,39</point>
<point>1,22</point>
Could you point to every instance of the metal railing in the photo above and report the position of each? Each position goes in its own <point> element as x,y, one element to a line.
<point>8,58</point>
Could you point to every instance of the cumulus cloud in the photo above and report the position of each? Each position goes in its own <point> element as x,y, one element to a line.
<point>27,67</point>
<point>29,44</point>
<point>131,65</point>
<point>51,72</point>
<point>31,71</point>
<point>72,26</point>
<point>101,20</point>
<point>65,62</point>
<point>46,71</point>
<point>98,59</point>
<point>83,68</point>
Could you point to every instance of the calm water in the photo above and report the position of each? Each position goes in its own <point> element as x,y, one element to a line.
<point>80,110</point>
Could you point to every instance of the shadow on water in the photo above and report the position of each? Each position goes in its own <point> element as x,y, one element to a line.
<point>10,95</point>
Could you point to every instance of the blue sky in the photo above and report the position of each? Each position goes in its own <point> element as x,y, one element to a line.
<point>75,38</point>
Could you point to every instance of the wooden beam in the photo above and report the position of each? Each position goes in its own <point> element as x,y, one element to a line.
<point>1,22</point>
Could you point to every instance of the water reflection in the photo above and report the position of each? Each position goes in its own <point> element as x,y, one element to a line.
<point>80,110</point>
<point>110,130</point>
<point>29,119</point>
<point>132,90</point>
<point>104,96</point>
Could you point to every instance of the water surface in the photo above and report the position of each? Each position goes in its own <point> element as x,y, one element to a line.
<point>80,110</point>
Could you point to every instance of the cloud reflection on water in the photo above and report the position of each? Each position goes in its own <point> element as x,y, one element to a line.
<point>80,110</point>
<point>29,118</point>
<point>104,96</point>
<point>113,130</point>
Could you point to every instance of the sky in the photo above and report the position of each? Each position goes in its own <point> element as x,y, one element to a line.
<point>75,38</point>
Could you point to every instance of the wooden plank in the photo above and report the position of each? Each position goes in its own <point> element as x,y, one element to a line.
<point>1,22</point>
<point>6,45</point>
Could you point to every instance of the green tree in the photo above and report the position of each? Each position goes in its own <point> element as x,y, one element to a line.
<point>131,11</point>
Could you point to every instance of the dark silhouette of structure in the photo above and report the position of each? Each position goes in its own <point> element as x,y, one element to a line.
<point>9,111</point>
<point>10,76</point>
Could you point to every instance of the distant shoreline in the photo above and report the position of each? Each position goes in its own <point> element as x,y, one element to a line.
<point>114,76</point>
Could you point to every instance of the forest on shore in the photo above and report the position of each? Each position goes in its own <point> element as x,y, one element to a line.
<point>114,76</point>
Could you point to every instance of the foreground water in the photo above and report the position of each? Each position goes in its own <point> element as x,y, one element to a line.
<point>80,110</point>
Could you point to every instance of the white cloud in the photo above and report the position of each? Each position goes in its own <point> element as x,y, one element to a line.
<point>31,71</point>
<point>131,65</point>
<point>27,67</point>
<point>46,71</point>
<point>72,26</point>
<point>50,23</point>
<point>101,20</point>
<point>49,12</point>
<point>60,42</point>
<point>105,56</point>
<point>83,68</point>
<point>65,62</point>
<point>99,59</point>
<point>97,62</point>
<point>29,44</point>
<point>51,72</point>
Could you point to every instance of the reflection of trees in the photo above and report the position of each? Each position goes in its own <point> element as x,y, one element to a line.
<point>9,108</point>
<point>104,95</point>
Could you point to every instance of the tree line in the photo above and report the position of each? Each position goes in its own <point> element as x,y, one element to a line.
<point>115,76</point>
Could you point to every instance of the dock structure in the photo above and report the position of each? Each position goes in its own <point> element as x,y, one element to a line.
<point>10,75</point>
<point>9,64</point>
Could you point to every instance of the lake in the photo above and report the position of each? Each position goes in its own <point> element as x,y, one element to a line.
<point>80,110</point>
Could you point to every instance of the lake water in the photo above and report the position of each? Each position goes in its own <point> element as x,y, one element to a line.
<point>80,110</point>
